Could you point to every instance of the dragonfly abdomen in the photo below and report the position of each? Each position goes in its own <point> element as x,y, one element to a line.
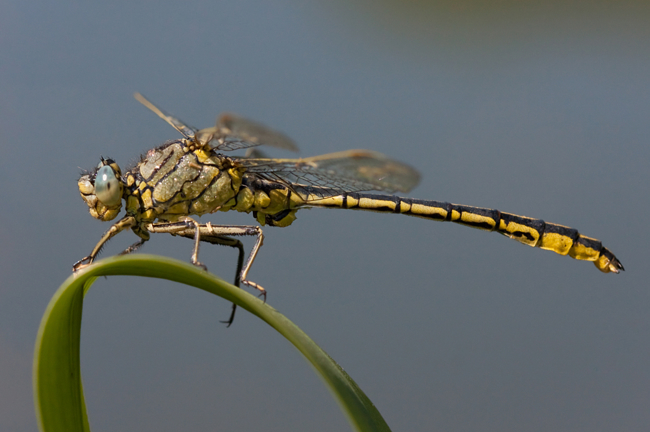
<point>533,232</point>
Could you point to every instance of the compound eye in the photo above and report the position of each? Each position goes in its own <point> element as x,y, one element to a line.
<point>107,187</point>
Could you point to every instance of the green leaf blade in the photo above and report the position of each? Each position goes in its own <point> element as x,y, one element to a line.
<point>58,391</point>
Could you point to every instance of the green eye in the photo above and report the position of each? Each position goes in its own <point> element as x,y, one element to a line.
<point>107,187</point>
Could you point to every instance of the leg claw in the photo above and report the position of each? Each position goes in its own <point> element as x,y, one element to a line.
<point>257,287</point>
<point>200,264</point>
<point>84,262</point>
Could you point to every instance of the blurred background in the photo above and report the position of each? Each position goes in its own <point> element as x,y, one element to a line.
<point>535,108</point>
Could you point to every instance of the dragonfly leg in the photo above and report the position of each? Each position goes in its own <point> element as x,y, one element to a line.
<point>124,223</point>
<point>186,227</point>
<point>242,230</point>
<point>229,241</point>
<point>219,234</point>
<point>134,247</point>
<point>240,262</point>
<point>197,242</point>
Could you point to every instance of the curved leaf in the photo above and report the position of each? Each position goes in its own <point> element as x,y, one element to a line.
<point>58,391</point>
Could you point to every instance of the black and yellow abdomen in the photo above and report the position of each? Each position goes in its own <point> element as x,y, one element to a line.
<point>533,232</point>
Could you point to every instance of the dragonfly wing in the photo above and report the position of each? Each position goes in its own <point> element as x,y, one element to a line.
<point>233,132</point>
<point>336,173</point>
<point>185,130</point>
<point>255,153</point>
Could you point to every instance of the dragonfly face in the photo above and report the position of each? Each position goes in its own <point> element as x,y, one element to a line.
<point>102,190</point>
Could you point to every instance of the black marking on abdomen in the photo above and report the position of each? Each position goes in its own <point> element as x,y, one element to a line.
<point>395,200</point>
<point>431,204</point>
<point>591,243</point>
<point>493,214</point>
<point>355,197</point>
<point>536,224</point>
<point>610,256</point>
<point>562,230</point>
<point>398,204</point>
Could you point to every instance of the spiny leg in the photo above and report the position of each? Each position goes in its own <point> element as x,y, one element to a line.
<point>134,247</point>
<point>119,226</point>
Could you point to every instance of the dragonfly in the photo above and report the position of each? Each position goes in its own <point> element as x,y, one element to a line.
<point>191,177</point>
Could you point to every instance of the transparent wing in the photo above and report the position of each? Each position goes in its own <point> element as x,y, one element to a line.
<point>185,130</point>
<point>233,132</point>
<point>336,173</point>
<point>255,153</point>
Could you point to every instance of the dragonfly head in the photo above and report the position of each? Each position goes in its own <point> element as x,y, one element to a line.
<point>102,190</point>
